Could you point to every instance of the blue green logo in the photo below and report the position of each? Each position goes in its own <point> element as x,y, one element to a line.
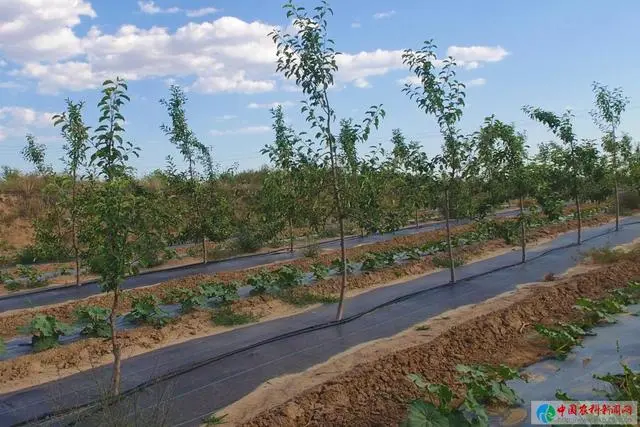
<point>546,413</point>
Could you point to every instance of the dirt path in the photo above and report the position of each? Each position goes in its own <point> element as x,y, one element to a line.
<point>367,385</point>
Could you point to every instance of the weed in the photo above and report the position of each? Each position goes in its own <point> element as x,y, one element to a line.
<point>303,299</point>
<point>3,347</point>
<point>45,331</point>
<point>225,316</point>
<point>145,309</point>
<point>413,254</point>
<point>444,262</point>
<point>561,395</point>
<point>94,321</point>
<point>549,277</point>
<point>423,328</point>
<point>610,256</point>
<point>320,271</point>
<point>311,251</point>
<point>214,420</point>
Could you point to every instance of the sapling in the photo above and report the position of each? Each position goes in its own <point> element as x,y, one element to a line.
<point>441,95</point>
<point>308,56</point>
<point>610,104</point>
<point>562,127</point>
<point>76,135</point>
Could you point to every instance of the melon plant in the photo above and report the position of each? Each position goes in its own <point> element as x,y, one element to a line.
<point>45,331</point>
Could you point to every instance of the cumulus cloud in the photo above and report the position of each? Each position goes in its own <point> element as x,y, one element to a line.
<point>249,130</point>
<point>223,55</point>
<point>254,105</point>
<point>411,80</point>
<point>472,56</point>
<point>41,29</point>
<point>476,82</point>
<point>383,15</point>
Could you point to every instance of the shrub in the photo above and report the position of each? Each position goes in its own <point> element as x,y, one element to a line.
<point>249,240</point>
<point>94,321</point>
<point>45,331</point>
<point>145,309</point>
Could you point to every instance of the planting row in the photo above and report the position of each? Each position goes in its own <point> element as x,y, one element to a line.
<point>283,283</point>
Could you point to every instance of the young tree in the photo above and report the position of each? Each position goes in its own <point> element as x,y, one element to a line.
<point>194,154</point>
<point>562,127</point>
<point>308,56</point>
<point>441,95</point>
<point>76,135</point>
<point>610,104</point>
<point>282,154</point>
<point>114,207</point>
<point>502,154</point>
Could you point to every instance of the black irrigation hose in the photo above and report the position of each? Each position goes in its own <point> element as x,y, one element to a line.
<point>186,369</point>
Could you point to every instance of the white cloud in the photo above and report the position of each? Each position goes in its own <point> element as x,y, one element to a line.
<point>249,130</point>
<point>472,56</point>
<point>476,82</point>
<point>41,29</point>
<point>3,63</point>
<point>361,83</point>
<point>383,15</point>
<point>226,117</point>
<point>11,85</point>
<point>225,55</point>
<point>356,25</point>
<point>412,79</point>
<point>356,68</point>
<point>21,116</point>
<point>254,105</point>
<point>150,8</point>
<point>201,12</point>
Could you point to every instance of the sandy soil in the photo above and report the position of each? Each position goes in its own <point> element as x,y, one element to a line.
<point>367,385</point>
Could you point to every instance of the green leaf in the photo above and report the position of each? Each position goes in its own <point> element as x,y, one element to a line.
<point>425,414</point>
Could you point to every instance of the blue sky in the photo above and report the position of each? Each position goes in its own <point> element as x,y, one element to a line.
<point>512,52</point>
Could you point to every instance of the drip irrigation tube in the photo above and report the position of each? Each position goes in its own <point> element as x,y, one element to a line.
<point>95,406</point>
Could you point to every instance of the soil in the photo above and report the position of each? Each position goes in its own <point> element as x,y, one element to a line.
<point>367,386</point>
<point>38,368</point>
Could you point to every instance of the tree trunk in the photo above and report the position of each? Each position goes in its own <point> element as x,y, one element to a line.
<point>417,219</point>
<point>615,182</point>
<point>579,212</point>
<point>290,235</point>
<point>115,347</point>
<point>523,236</point>
<point>343,284</point>
<point>74,231</point>
<point>204,249</point>
<point>615,176</point>
<point>451,266</point>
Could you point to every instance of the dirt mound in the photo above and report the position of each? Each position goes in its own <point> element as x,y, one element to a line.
<point>376,393</point>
